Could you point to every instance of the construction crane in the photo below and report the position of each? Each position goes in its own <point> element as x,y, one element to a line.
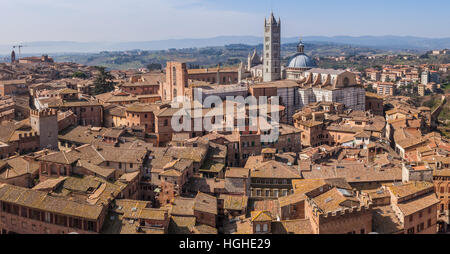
<point>19,47</point>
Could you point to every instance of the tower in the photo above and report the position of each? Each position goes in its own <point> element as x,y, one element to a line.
<point>176,81</point>
<point>45,123</point>
<point>272,49</point>
<point>13,57</point>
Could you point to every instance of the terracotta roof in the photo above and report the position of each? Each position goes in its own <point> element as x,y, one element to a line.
<point>407,189</point>
<point>418,204</point>
<point>204,229</point>
<point>261,216</point>
<point>232,202</point>
<point>354,172</point>
<point>298,227</point>
<point>333,200</point>
<point>205,203</point>
<point>183,207</point>
<point>237,173</point>
<point>291,199</point>
<point>274,169</point>
<point>16,167</point>
<point>41,201</point>
<point>142,108</point>
<point>181,224</point>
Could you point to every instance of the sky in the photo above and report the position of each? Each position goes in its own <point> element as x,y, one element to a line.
<point>146,20</point>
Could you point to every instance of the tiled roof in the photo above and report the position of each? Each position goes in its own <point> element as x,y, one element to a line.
<point>41,201</point>
<point>237,173</point>
<point>333,200</point>
<point>299,227</point>
<point>418,204</point>
<point>231,202</point>
<point>205,203</point>
<point>410,188</point>
<point>274,169</point>
<point>261,216</point>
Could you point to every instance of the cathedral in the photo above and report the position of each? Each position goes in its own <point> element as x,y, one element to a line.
<point>267,68</point>
<point>311,84</point>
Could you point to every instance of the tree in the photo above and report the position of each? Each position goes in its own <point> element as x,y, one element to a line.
<point>103,81</point>
<point>154,66</point>
<point>370,89</point>
<point>80,74</point>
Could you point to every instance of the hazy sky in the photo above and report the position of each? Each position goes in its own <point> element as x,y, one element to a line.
<point>143,20</point>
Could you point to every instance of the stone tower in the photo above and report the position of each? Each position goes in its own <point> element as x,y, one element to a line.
<point>45,123</point>
<point>176,81</point>
<point>13,57</point>
<point>272,49</point>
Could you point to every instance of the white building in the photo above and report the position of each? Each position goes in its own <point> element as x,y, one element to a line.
<point>329,85</point>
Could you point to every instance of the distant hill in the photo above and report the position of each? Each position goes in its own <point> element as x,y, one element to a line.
<point>381,42</point>
<point>227,55</point>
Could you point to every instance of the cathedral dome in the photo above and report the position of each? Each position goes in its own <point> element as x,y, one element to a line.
<point>300,60</point>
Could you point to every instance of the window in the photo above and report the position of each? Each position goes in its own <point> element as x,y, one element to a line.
<point>363,231</point>
<point>411,218</point>
<point>411,231</point>
<point>174,76</point>
<point>429,223</point>
<point>420,214</point>
<point>166,122</point>
<point>258,228</point>
<point>47,217</point>
<point>24,212</point>
<point>420,227</point>
<point>265,228</point>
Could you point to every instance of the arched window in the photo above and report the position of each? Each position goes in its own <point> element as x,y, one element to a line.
<point>174,76</point>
